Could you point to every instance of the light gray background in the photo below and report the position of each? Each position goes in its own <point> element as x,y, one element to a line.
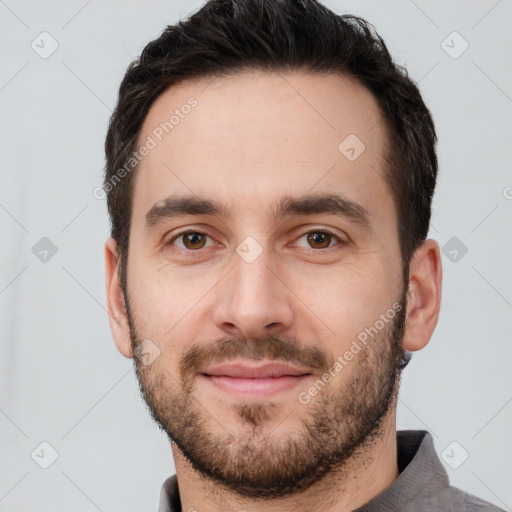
<point>62,380</point>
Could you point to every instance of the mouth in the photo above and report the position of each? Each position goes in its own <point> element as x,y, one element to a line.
<point>259,381</point>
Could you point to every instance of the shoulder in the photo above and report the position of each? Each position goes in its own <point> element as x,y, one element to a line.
<point>452,499</point>
<point>471,503</point>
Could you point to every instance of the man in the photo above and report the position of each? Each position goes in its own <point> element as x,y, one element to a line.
<point>270,173</point>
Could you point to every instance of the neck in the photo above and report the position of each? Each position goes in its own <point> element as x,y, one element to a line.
<point>370,470</point>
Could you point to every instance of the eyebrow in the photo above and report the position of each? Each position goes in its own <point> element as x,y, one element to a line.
<point>333,204</point>
<point>310,204</point>
<point>177,206</point>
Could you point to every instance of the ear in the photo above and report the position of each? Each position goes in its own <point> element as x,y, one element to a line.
<point>423,295</point>
<point>117,315</point>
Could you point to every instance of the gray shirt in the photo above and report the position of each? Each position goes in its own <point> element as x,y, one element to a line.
<point>421,486</point>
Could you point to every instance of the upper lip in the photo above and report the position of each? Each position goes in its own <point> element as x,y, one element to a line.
<point>245,371</point>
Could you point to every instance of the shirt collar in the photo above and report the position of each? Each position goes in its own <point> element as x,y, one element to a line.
<point>421,473</point>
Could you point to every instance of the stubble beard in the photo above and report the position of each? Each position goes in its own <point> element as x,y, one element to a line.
<point>258,460</point>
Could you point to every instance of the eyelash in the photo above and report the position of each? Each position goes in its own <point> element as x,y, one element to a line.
<point>187,232</point>
<point>337,238</point>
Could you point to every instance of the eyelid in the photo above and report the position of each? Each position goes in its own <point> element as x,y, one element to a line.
<point>306,229</point>
<point>340,239</point>
<point>180,234</point>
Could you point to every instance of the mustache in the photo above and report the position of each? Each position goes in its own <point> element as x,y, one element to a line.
<point>274,348</point>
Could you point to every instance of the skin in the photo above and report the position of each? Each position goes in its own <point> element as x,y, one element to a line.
<point>253,138</point>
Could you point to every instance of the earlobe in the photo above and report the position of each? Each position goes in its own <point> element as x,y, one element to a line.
<point>423,296</point>
<point>117,314</point>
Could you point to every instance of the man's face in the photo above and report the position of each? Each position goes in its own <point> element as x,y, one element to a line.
<point>300,257</point>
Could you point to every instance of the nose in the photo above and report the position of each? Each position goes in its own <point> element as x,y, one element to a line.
<point>253,300</point>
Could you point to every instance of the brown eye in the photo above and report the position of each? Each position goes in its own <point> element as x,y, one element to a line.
<point>191,240</point>
<point>319,239</point>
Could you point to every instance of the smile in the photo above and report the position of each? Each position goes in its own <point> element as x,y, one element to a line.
<point>261,381</point>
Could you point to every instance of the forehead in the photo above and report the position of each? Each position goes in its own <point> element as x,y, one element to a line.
<point>255,136</point>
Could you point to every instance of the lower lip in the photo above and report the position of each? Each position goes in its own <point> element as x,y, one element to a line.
<point>256,387</point>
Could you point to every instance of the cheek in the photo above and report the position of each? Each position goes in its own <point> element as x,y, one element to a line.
<point>164,300</point>
<point>347,298</point>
